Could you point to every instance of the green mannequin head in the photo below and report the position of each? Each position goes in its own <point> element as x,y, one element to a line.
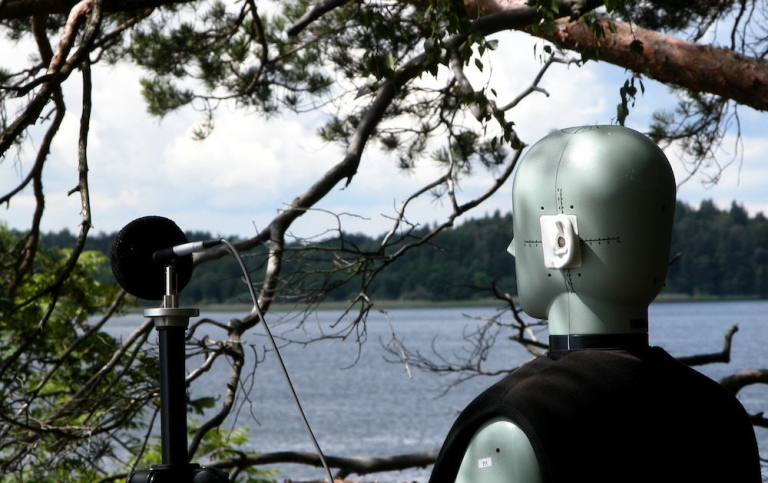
<point>592,212</point>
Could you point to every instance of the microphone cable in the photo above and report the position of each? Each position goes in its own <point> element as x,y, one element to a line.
<point>294,396</point>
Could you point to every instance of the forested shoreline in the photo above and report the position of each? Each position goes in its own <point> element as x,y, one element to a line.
<point>715,253</point>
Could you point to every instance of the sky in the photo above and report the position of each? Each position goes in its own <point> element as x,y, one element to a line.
<point>233,183</point>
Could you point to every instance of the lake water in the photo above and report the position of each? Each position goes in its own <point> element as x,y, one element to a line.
<point>361,403</point>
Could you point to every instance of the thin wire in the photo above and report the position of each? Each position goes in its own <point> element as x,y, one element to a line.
<point>294,396</point>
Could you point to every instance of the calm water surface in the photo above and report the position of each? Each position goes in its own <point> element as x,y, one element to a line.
<point>361,401</point>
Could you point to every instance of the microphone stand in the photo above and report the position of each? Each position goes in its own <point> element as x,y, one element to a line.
<point>171,323</point>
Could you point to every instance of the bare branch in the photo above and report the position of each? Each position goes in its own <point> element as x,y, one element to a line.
<point>346,466</point>
<point>723,356</point>
<point>313,14</point>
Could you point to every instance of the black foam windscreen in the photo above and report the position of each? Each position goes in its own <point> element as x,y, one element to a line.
<point>132,262</point>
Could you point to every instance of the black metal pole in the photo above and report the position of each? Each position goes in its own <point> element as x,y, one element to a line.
<point>173,397</point>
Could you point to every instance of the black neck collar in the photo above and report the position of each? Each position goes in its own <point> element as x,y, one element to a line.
<point>597,341</point>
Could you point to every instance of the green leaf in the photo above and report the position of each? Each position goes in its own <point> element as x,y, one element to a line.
<point>199,405</point>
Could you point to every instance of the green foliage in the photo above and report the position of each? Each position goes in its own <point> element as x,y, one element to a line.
<point>723,253</point>
<point>216,444</point>
<point>469,150</point>
<point>220,444</point>
<point>66,419</point>
<point>628,94</point>
<point>46,347</point>
<point>163,97</point>
<point>193,53</point>
<point>549,12</point>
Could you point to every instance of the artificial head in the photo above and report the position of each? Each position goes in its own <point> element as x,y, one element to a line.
<point>592,212</point>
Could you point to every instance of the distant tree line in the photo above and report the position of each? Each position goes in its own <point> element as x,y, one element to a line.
<point>715,253</point>
<point>721,253</point>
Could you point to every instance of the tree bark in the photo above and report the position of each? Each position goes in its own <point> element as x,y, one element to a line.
<point>671,60</point>
<point>667,59</point>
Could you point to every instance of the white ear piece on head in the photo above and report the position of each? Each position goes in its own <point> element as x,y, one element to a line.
<point>560,241</point>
